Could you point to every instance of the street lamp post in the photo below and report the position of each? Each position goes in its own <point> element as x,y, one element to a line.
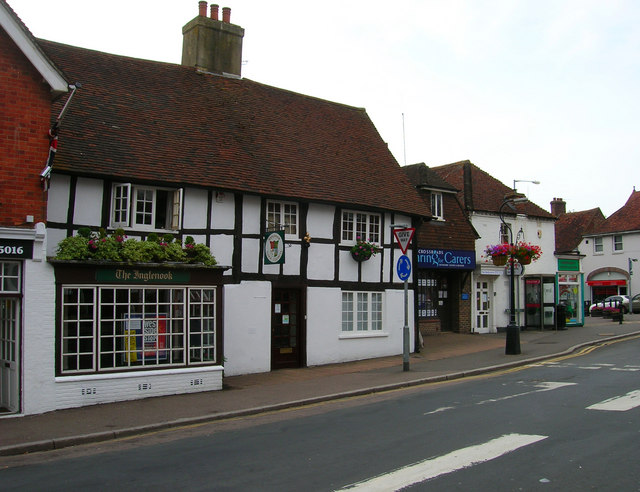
<point>512,345</point>
<point>523,181</point>
<point>631,260</point>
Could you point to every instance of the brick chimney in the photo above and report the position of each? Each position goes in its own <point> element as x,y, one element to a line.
<point>558,207</point>
<point>212,45</point>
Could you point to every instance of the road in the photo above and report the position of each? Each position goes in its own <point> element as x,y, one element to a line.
<point>570,424</point>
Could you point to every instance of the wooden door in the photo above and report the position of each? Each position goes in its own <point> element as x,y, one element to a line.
<point>286,320</point>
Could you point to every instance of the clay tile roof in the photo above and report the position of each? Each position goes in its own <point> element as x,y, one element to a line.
<point>625,219</point>
<point>421,175</point>
<point>481,192</point>
<point>163,123</point>
<point>570,227</point>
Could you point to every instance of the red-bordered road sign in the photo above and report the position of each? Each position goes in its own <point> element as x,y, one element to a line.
<point>404,236</point>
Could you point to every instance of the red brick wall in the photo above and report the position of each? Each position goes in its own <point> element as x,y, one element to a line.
<point>25,109</point>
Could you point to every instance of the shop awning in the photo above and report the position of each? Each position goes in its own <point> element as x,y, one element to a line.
<point>603,283</point>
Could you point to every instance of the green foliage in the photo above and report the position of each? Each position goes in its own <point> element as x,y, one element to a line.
<point>89,245</point>
<point>84,232</point>
<point>73,248</point>
<point>199,253</point>
<point>105,248</point>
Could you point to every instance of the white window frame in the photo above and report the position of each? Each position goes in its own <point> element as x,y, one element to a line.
<point>283,216</point>
<point>362,312</point>
<point>10,277</point>
<point>363,225</point>
<point>505,233</point>
<point>124,207</point>
<point>598,245</point>
<point>618,246</point>
<point>89,321</point>
<point>437,205</point>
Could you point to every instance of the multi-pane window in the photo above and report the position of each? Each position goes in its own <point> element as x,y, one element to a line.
<point>617,242</point>
<point>505,236</point>
<point>436,205</point>
<point>283,216</point>
<point>428,295</point>
<point>361,311</point>
<point>360,225</point>
<point>147,208</point>
<point>597,245</point>
<point>116,328</point>
<point>9,277</point>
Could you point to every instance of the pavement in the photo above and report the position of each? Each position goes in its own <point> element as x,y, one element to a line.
<point>445,356</point>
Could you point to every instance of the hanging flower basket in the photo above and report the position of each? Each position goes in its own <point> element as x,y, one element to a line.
<point>498,253</point>
<point>359,257</point>
<point>363,250</point>
<point>525,253</point>
<point>499,260</point>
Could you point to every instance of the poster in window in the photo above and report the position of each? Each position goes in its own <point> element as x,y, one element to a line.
<point>146,337</point>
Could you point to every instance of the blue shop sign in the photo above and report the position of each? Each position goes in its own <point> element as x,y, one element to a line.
<point>452,259</point>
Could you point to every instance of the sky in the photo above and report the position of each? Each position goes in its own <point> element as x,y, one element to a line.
<point>532,90</point>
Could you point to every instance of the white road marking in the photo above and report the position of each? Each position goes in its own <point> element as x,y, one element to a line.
<point>542,387</point>
<point>456,460</point>
<point>438,410</point>
<point>626,369</point>
<point>619,403</point>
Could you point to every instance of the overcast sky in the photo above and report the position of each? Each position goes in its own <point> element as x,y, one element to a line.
<point>542,90</point>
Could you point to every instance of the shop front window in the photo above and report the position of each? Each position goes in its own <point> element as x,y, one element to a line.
<point>569,296</point>
<point>428,296</point>
<point>121,328</point>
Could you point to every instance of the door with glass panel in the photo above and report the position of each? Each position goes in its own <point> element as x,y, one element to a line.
<point>285,329</point>
<point>9,337</point>
<point>482,307</point>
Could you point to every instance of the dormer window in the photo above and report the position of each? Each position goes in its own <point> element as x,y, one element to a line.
<point>145,207</point>
<point>436,205</point>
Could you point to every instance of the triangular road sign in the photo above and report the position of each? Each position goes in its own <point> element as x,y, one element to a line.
<point>404,236</point>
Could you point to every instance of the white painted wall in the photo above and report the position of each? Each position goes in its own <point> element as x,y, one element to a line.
<point>320,221</point>
<point>223,211</point>
<point>608,258</point>
<point>58,198</point>
<point>327,344</point>
<point>88,205</point>
<point>195,208</point>
<point>536,231</point>
<point>321,264</point>
<point>77,391</point>
<point>222,250</point>
<point>251,215</point>
<point>247,328</point>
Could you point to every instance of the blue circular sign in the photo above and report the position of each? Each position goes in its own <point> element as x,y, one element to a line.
<point>403,267</point>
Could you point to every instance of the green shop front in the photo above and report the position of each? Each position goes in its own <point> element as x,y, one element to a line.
<point>570,281</point>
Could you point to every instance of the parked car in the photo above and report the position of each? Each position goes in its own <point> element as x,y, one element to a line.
<point>613,302</point>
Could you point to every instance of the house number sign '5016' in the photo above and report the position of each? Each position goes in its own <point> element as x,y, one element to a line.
<point>16,249</point>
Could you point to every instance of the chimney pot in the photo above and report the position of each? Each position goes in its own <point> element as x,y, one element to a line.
<point>558,207</point>
<point>202,8</point>
<point>226,15</point>
<point>214,11</point>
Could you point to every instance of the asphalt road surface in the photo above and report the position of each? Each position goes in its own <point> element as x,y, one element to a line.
<point>570,424</point>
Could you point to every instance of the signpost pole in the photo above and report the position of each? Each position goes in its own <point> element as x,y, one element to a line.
<point>405,331</point>
<point>403,269</point>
